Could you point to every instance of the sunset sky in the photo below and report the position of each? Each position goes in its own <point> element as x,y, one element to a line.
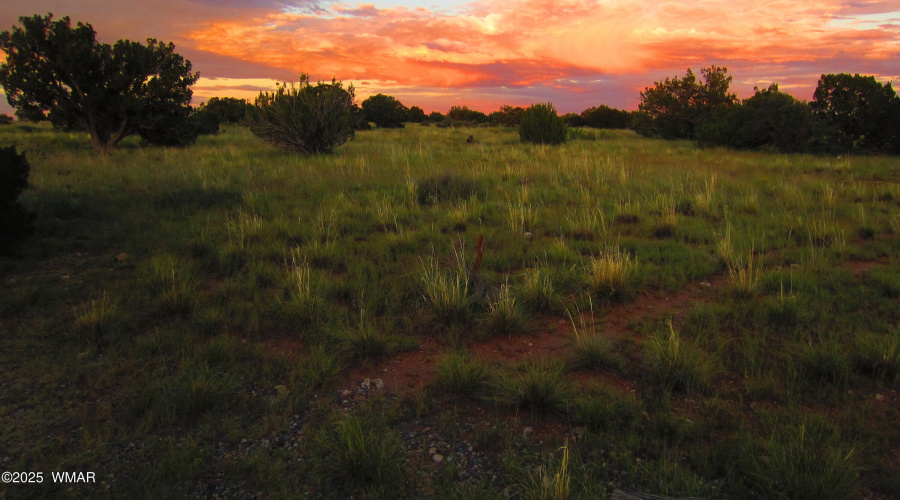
<point>486,53</point>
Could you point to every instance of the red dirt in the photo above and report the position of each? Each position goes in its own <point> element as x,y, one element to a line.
<point>409,372</point>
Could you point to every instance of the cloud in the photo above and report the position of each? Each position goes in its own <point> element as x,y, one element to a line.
<point>522,49</point>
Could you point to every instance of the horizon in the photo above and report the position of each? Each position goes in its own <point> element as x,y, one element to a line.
<point>485,54</point>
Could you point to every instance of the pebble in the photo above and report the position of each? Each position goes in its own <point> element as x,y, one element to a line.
<point>438,458</point>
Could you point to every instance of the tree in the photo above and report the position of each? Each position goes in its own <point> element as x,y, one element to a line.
<point>386,111</point>
<point>305,118</point>
<point>606,117</point>
<point>227,109</point>
<point>678,105</point>
<point>573,120</point>
<point>770,120</point>
<point>508,116</point>
<point>464,114</point>
<point>63,73</point>
<point>416,115</point>
<point>865,113</point>
<point>541,125</point>
<point>15,222</point>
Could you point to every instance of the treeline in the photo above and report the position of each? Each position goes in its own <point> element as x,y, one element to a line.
<point>848,114</point>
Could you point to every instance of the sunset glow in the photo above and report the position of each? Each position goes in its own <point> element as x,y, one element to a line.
<point>490,52</point>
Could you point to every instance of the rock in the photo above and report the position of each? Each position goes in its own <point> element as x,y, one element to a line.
<point>122,257</point>
<point>365,383</point>
<point>378,384</point>
<point>432,450</point>
<point>879,397</point>
<point>528,235</point>
<point>438,458</point>
<point>526,431</point>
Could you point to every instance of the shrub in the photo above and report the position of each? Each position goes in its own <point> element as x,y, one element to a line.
<point>227,109</point>
<point>606,117</point>
<point>416,115</point>
<point>6,120</point>
<point>385,111</point>
<point>304,118</point>
<point>541,125</point>
<point>15,222</point>
<point>573,120</point>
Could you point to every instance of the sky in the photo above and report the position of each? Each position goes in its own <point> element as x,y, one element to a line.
<point>487,53</point>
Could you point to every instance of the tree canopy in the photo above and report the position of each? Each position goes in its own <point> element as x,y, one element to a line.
<point>866,113</point>
<point>386,111</point>
<point>56,71</point>
<point>678,105</point>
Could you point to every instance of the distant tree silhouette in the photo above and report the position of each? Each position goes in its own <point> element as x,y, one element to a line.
<point>865,113</point>
<point>386,111</point>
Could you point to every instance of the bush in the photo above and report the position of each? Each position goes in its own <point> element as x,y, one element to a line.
<point>6,120</point>
<point>464,114</point>
<point>416,115</point>
<point>180,129</point>
<point>769,120</point>
<point>385,111</point>
<point>15,222</point>
<point>541,125</point>
<point>606,117</point>
<point>573,120</point>
<point>304,118</point>
<point>227,109</point>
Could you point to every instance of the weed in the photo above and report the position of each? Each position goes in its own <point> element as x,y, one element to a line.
<point>445,295</point>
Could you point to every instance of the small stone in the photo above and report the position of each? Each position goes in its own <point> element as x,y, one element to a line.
<point>366,383</point>
<point>705,283</point>
<point>378,384</point>
<point>879,397</point>
<point>122,257</point>
<point>432,450</point>
<point>438,458</point>
<point>526,431</point>
<point>528,235</point>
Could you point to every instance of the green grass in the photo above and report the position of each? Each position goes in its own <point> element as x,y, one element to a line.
<point>247,270</point>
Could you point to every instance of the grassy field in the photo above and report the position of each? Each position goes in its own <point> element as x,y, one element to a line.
<point>546,322</point>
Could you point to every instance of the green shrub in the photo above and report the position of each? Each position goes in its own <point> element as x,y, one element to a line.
<point>304,118</point>
<point>386,111</point>
<point>541,125</point>
<point>15,222</point>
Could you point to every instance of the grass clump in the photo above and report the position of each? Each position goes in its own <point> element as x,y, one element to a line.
<point>364,342</point>
<point>537,293</point>
<point>824,362</point>
<point>743,273</point>
<point>674,364</point>
<point>360,454</point>
<point>591,349</point>
<point>319,368</point>
<point>97,318</point>
<point>549,483</point>
<point>446,187</point>
<point>878,356</point>
<point>505,315</point>
<point>541,386</point>
<point>613,276</point>
<point>459,374</point>
<point>446,296</point>
<point>802,462</point>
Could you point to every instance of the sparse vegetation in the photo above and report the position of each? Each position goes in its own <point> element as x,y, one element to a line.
<point>201,320</point>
